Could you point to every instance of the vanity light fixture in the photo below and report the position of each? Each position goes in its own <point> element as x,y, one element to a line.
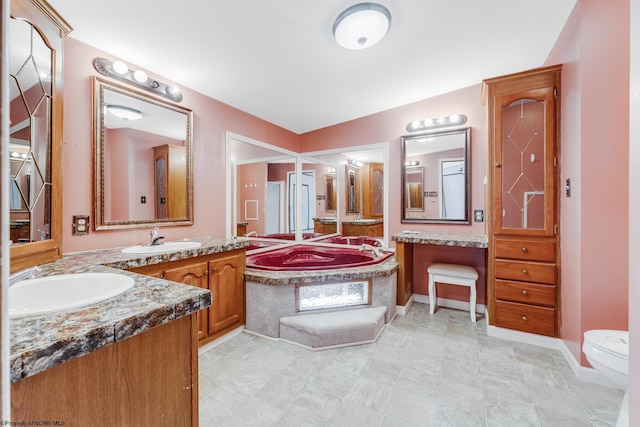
<point>362,25</point>
<point>120,71</point>
<point>412,163</point>
<point>452,120</point>
<point>125,113</point>
<point>355,163</point>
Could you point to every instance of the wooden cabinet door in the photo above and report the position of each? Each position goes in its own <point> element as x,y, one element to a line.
<point>227,289</point>
<point>196,274</point>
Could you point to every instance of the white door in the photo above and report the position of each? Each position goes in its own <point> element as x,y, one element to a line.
<point>307,204</point>
<point>273,217</point>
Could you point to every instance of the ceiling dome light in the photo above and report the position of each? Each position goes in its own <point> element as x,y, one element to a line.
<point>124,113</point>
<point>361,25</point>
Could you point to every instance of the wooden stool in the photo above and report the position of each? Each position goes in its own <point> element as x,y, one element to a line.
<point>452,274</point>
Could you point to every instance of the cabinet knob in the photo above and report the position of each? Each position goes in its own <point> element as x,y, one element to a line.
<point>524,318</point>
<point>498,164</point>
<point>214,270</point>
<point>525,271</point>
<point>525,250</point>
<point>525,292</point>
<point>206,272</point>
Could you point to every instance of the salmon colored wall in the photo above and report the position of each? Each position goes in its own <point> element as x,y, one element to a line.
<point>252,181</point>
<point>212,119</point>
<point>389,126</point>
<point>634,214</point>
<point>595,144</point>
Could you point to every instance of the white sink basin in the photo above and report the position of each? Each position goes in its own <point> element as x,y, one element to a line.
<point>54,293</point>
<point>161,248</point>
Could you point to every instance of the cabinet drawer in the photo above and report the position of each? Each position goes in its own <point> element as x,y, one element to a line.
<point>526,318</point>
<point>531,250</point>
<point>526,271</point>
<point>528,293</point>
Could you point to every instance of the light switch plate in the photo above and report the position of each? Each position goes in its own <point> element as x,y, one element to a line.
<point>80,225</point>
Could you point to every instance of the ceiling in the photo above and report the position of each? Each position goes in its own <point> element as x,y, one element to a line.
<point>277,59</point>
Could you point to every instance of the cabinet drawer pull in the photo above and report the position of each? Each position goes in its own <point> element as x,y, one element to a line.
<point>525,292</point>
<point>525,250</point>
<point>524,318</point>
<point>525,271</point>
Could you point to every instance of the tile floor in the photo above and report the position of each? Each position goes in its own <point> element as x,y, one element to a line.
<point>424,370</point>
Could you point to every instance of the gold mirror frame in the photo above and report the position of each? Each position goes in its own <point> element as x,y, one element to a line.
<point>101,222</point>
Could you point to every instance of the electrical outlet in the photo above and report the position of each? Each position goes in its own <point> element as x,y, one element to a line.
<point>478,215</point>
<point>143,199</point>
<point>567,187</point>
<point>80,225</point>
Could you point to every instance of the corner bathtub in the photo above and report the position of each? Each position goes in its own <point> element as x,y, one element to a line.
<point>273,279</point>
<point>308,257</point>
<point>353,240</point>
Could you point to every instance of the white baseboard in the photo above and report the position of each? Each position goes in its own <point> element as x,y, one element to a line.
<point>404,309</point>
<point>583,373</point>
<point>449,303</point>
<point>218,341</point>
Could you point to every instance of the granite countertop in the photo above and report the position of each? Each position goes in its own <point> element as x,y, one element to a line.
<point>41,342</point>
<point>326,220</point>
<point>444,239</point>
<point>363,221</point>
<point>385,268</point>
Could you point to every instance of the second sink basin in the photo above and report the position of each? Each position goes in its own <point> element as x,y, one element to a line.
<point>161,248</point>
<point>64,291</point>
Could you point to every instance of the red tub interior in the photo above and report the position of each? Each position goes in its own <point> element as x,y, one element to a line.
<point>308,257</point>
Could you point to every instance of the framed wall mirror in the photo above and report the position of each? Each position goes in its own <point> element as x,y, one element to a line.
<point>352,190</point>
<point>330,192</point>
<point>143,163</point>
<point>414,181</point>
<point>439,163</point>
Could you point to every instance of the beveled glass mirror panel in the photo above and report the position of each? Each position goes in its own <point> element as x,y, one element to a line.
<point>144,166</point>
<point>30,71</point>
<point>330,192</point>
<point>436,177</point>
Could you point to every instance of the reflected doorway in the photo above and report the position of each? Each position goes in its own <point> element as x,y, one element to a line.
<point>452,178</point>
<point>307,201</point>
<point>274,220</point>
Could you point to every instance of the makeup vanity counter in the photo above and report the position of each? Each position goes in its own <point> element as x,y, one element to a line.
<point>405,242</point>
<point>146,336</point>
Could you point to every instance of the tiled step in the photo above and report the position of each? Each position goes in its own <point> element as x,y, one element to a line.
<point>331,329</point>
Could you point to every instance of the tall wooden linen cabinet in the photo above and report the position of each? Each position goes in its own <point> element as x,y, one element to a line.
<point>523,274</point>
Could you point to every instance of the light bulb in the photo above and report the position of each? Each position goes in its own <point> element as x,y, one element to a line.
<point>120,67</point>
<point>140,76</point>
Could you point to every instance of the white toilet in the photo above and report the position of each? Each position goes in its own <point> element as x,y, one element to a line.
<point>608,352</point>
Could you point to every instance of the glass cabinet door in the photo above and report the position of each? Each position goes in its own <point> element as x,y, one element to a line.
<point>524,160</point>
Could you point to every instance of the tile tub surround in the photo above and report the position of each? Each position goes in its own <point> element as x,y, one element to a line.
<point>444,239</point>
<point>272,295</point>
<point>38,343</point>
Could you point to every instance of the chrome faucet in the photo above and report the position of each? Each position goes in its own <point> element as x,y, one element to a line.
<point>155,239</point>
<point>251,233</point>
<point>376,251</point>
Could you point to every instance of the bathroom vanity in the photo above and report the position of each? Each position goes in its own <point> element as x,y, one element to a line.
<point>405,243</point>
<point>129,360</point>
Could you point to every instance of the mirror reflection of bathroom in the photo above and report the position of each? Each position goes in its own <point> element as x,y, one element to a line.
<point>436,177</point>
